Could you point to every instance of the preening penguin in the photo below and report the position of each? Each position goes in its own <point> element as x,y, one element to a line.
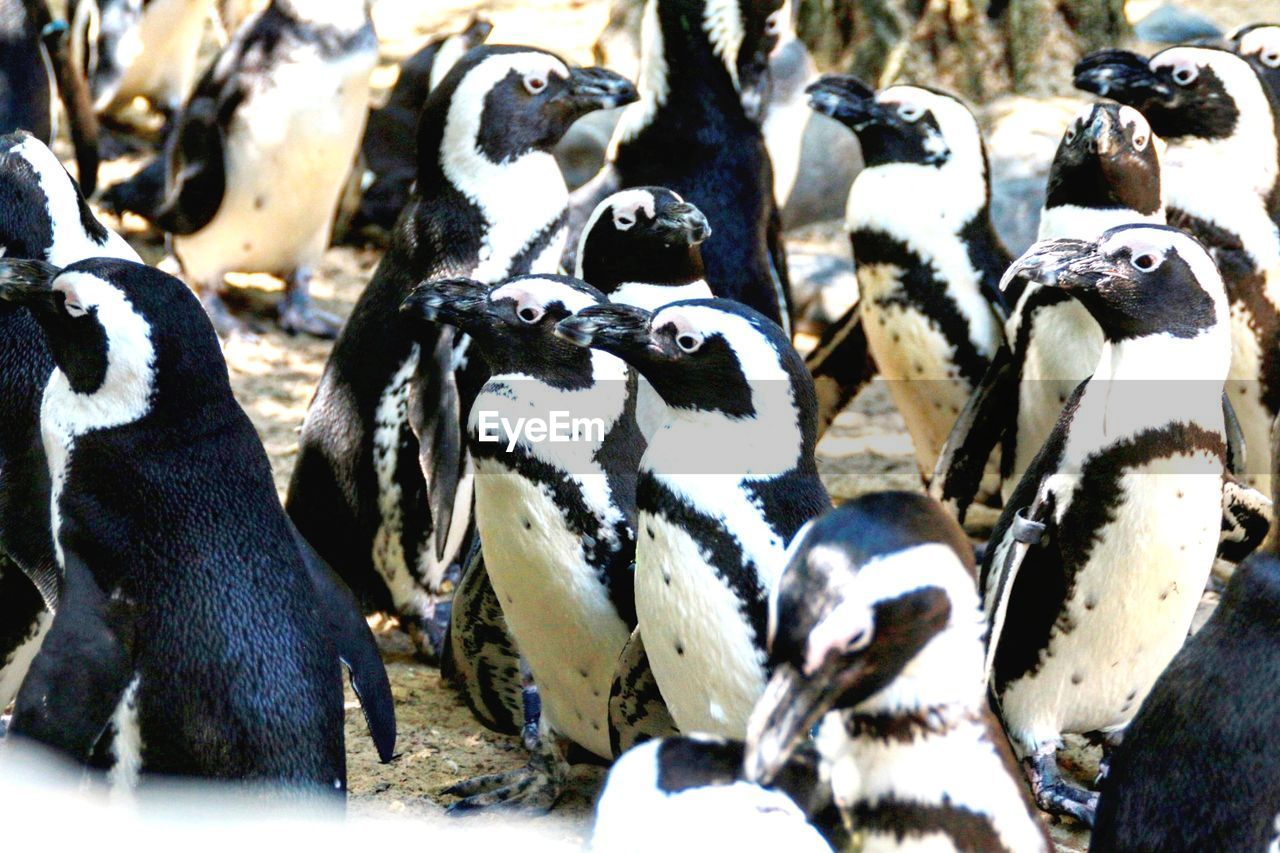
<point>195,634</point>
<point>725,483</point>
<point>876,618</point>
<point>704,68</point>
<point>382,487</point>
<point>1094,572</point>
<point>928,261</point>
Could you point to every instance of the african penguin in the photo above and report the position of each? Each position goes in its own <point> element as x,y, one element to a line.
<point>928,261</point>
<point>261,151</point>
<point>1106,172</point>
<point>1094,571</point>
<point>875,635</point>
<point>725,483</point>
<point>46,219</point>
<point>388,138</point>
<point>382,486</point>
<point>1260,44</point>
<point>554,505</point>
<point>696,130</point>
<point>195,635</point>
<point>1222,178</point>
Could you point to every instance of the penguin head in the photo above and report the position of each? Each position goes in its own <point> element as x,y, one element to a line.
<point>514,323</point>
<point>1260,45</point>
<point>1136,281</point>
<point>867,598</point>
<point>901,124</point>
<point>500,103</point>
<point>743,33</point>
<point>1108,158</point>
<point>647,234</point>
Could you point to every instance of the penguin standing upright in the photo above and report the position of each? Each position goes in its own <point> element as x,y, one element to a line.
<point>48,220</point>
<point>876,617</point>
<point>194,635</point>
<point>382,484</point>
<point>1222,178</point>
<point>696,130</point>
<point>1095,569</point>
<point>725,483</point>
<point>929,311</point>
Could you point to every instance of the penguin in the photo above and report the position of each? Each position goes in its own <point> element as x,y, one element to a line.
<point>929,313</point>
<point>1094,571</point>
<point>48,220</point>
<point>696,130</point>
<point>554,510</point>
<point>876,637</point>
<point>388,138</point>
<point>261,151</point>
<point>1221,176</point>
<point>164,582</point>
<point>382,486</point>
<point>1106,172</point>
<point>685,793</point>
<point>1260,45</point>
<point>725,483</point>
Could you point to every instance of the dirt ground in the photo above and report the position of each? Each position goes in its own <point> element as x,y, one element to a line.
<point>274,377</point>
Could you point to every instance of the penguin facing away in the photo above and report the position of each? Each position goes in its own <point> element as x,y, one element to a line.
<point>382,486</point>
<point>1095,569</point>
<point>725,483</point>
<point>875,635</point>
<point>929,312</point>
<point>136,662</point>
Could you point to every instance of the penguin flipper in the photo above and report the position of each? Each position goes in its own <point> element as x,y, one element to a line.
<point>1235,438</point>
<point>479,657</point>
<point>1246,518</point>
<point>978,429</point>
<point>840,364</point>
<point>83,668</point>
<point>779,270</point>
<point>1029,529</point>
<point>637,711</point>
<point>357,649</point>
<point>436,418</point>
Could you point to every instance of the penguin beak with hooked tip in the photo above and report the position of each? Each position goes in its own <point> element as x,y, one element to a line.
<point>592,89</point>
<point>682,224</point>
<point>848,100</point>
<point>1071,265</point>
<point>28,284</point>
<point>1124,76</point>
<point>621,330</point>
<point>461,302</point>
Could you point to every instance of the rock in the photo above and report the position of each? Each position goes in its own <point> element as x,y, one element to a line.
<point>1171,24</point>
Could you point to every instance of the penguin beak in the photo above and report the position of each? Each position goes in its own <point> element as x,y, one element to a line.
<point>592,89</point>
<point>618,329</point>
<point>477,31</point>
<point>29,284</point>
<point>784,716</point>
<point>848,100</point>
<point>1071,265</point>
<point>1123,76</point>
<point>682,223</point>
<point>461,302</point>
<point>1101,138</point>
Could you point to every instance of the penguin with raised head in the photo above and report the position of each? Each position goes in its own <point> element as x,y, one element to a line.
<point>195,634</point>
<point>876,618</point>
<point>1095,569</point>
<point>48,220</point>
<point>1221,176</point>
<point>261,151</point>
<point>928,261</point>
<point>725,483</point>
<point>382,486</point>
<point>704,73</point>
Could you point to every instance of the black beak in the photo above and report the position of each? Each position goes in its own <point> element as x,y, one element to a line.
<point>1071,265</point>
<point>617,329</point>
<point>29,284</point>
<point>1101,137</point>
<point>683,223</point>
<point>846,99</point>
<point>477,31</point>
<point>1123,76</point>
<point>592,89</point>
<point>461,302</point>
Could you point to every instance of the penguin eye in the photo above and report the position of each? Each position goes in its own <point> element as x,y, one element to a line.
<point>1185,76</point>
<point>1270,58</point>
<point>75,309</point>
<point>860,640</point>
<point>910,112</point>
<point>530,314</point>
<point>535,83</point>
<point>624,220</point>
<point>688,341</point>
<point>1145,262</point>
<point>1070,136</point>
<point>773,24</point>
<point>1140,141</point>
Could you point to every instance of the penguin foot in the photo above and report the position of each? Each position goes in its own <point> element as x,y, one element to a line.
<point>533,788</point>
<point>306,319</point>
<point>1055,795</point>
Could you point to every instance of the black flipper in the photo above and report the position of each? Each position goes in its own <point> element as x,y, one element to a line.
<point>82,670</point>
<point>1235,438</point>
<point>436,418</point>
<point>637,711</point>
<point>978,429</point>
<point>841,364</point>
<point>356,647</point>
<point>778,267</point>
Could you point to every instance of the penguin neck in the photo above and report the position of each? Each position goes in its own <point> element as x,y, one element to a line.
<point>652,296</point>
<point>1077,222</point>
<point>1204,358</point>
<point>887,197</point>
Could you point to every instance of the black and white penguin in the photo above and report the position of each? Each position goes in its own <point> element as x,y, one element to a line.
<point>876,618</point>
<point>929,312</point>
<point>1095,569</point>
<point>696,130</point>
<point>388,148</point>
<point>47,220</point>
<point>164,583</point>
<point>556,449</point>
<point>1221,178</point>
<point>1260,44</point>
<point>382,486</point>
<point>725,483</point>
<point>261,152</point>
<point>1105,173</point>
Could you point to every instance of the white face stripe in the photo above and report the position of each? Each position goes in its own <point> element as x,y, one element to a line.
<point>466,107</point>
<point>1264,43</point>
<point>756,355</point>
<point>627,203</point>
<point>542,292</point>
<point>625,200</point>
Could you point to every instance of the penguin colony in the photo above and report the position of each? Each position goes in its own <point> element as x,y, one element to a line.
<point>593,499</point>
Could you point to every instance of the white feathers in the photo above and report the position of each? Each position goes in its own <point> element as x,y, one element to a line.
<point>722,21</point>
<point>447,56</point>
<point>13,668</point>
<point>158,56</point>
<point>651,85</point>
<point>126,744</point>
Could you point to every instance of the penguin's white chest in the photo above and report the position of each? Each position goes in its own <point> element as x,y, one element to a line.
<point>288,151</point>
<point>701,649</point>
<point>559,612</point>
<point>159,57</point>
